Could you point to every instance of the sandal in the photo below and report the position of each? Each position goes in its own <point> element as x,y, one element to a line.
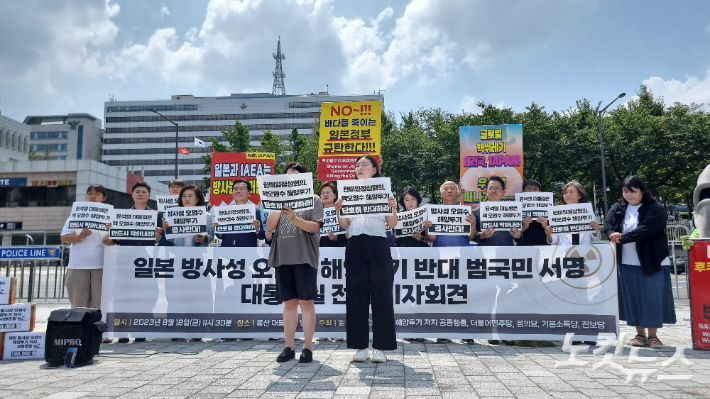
<point>639,340</point>
<point>654,342</point>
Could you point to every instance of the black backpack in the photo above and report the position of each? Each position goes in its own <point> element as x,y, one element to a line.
<point>79,328</point>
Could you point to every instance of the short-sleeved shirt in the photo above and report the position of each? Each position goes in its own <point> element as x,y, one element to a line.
<point>87,253</point>
<point>292,245</point>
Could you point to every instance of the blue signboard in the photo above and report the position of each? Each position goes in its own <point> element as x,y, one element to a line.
<point>29,252</point>
<point>10,225</point>
<point>13,182</point>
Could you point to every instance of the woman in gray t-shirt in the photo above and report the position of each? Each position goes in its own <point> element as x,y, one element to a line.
<point>294,257</point>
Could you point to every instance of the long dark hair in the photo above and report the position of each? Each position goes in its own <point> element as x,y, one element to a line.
<point>198,194</point>
<point>583,197</point>
<point>411,191</point>
<point>635,182</point>
<point>374,163</point>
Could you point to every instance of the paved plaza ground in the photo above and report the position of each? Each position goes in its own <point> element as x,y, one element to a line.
<point>247,369</point>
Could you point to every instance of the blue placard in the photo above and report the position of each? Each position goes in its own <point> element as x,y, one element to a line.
<point>10,225</point>
<point>13,182</point>
<point>29,252</point>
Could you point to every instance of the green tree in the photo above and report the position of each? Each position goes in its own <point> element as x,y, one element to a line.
<point>274,143</point>
<point>238,141</point>
<point>296,143</point>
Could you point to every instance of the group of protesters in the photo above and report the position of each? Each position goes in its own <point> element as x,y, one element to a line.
<point>636,224</point>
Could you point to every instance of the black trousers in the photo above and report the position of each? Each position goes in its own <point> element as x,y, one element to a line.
<point>369,278</point>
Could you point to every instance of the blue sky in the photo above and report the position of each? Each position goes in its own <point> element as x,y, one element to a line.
<point>69,56</point>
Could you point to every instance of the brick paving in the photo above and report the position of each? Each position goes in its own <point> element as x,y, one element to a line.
<point>162,368</point>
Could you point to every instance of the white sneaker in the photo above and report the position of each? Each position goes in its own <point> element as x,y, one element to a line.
<point>361,355</point>
<point>378,356</point>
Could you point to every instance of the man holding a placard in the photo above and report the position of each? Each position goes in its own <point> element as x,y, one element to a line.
<point>449,195</point>
<point>241,190</point>
<point>86,258</point>
<point>294,252</point>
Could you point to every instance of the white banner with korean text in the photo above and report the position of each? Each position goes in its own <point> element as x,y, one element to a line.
<point>453,292</point>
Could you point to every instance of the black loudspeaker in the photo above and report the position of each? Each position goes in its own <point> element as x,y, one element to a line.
<point>79,328</point>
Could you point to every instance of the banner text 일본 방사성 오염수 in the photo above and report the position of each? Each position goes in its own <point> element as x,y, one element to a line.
<point>449,292</point>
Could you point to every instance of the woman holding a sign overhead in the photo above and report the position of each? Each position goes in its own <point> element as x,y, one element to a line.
<point>370,275</point>
<point>637,225</point>
<point>574,193</point>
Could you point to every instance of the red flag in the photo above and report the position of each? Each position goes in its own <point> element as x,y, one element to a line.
<point>184,150</point>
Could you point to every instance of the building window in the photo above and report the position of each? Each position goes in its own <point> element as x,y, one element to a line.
<point>144,108</point>
<point>49,135</point>
<point>216,117</point>
<point>208,128</point>
<point>303,104</point>
<point>80,142</point>
<point>49,147</point>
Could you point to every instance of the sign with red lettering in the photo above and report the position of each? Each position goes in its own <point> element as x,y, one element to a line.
<point>230,166</point>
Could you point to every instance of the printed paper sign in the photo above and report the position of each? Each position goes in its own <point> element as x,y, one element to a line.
<point>294,191</point>
<point>186,221</point>
<point>166,202</point>
<point>24,345</point>
<point>501,215</point>
<point>449,219</point>
<point>572,218</point>
<point>410,222</point>
<point>93,215</point>
<point>8,290</point>
<point>534,204</point>
<point>330,222</point>
<point>133,224</point>
<point>235,219</point>
<point>15,317</point>
<point>366,197</point>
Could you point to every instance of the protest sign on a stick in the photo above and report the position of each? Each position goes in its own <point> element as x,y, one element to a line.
<point>133,224</point>
<point>572,218</point>
<point>166,202</point>
<point>330,222</point>
<point>186,221</point>
<point>93,215</point>
<point>410,222</point>
<point>501,215</point>
<point>294,191</point>
<point>534,204</point>
<point>365,197</point>
<point>235,219</point>
<point>448,219</point>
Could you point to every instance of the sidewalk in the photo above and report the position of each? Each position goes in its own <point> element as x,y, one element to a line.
<point>247,369</point>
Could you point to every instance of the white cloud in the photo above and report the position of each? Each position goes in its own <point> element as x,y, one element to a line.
<point>692,90</point>
<point>428,41</point>
<point>160,15</point>
<point>468,104</point>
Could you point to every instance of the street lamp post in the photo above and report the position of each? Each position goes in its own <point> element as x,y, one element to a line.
<point>177,145</point>
<point>601,142</point>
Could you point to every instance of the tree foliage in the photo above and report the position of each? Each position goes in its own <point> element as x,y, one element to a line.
<point>666,145</point>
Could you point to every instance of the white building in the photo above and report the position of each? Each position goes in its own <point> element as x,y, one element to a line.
<point>14,140</point>
<point>144,142</point>
<point>36,196</point>
<point>65,137</point>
